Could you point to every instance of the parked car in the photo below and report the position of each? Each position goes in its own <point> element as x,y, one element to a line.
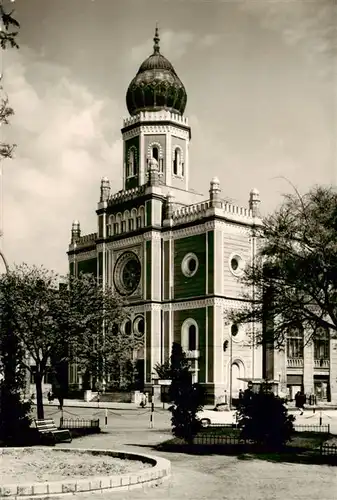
<point>220,414</point>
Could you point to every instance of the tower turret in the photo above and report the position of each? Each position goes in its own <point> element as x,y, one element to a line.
<point>156,100</point>
<point>75,231</point>
<point>105,189</point>
<point>254,202</point>
<point>214,193</point>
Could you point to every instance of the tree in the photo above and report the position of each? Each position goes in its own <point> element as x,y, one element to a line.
<point>263,418</point>
<point>163,370</point>
<point>76,322</point>
<point>8,35</point>
<point>187,398</point>
<point>293,281</point>
<point>14,411</point>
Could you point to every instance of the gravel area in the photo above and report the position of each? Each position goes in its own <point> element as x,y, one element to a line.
<point>33,465</point>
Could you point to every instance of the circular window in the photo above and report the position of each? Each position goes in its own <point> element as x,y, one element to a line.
<point>139,326</point>
<point>234,330</point>
<point>236,264</point>
<point>237,333</point>
<point>127,273</point>
<point>189,265</point>
<point>127,327</point>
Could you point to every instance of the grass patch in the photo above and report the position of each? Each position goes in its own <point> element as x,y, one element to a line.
<point>304,447</point>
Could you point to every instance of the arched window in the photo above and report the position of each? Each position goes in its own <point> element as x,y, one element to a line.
<point>189,335</point>
<point>132,162</point>
<point>133,219</point>
<point>192,338</point>
<point>176,161</point>
<point>141,217</point>
<point>155,153</point>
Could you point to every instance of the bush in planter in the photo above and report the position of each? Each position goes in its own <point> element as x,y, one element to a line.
<point>263,418</point>
<point>187,398</point>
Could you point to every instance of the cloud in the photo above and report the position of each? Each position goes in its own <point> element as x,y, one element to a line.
<point>210,40</point>
<point>66,143</point>
<point>310,26</point>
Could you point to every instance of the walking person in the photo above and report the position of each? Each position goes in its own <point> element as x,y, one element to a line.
<point>299,401</point>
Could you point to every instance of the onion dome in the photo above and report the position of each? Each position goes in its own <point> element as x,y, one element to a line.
<point>156,86</point>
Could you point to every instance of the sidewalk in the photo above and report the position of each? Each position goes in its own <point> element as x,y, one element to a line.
<point>77,403</point>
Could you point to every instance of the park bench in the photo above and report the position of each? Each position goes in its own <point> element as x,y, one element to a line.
<point>48,431</point>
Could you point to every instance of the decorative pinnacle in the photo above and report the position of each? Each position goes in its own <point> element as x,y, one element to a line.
<point>156,40</point>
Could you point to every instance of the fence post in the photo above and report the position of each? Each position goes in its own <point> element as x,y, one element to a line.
<point>61,422</point>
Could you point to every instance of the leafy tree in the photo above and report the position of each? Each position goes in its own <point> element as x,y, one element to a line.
<point>293,280</point>
<point>8,35</point>
<point>263,418</point>
<point>14,411</point>
<point>163,370</point>
<point>187,398</point>
<point>76,322</point>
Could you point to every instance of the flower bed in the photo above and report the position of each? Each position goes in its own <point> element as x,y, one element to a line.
<point>40,465</point>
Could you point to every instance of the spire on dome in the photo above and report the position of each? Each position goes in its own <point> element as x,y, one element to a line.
<point>156,40</point>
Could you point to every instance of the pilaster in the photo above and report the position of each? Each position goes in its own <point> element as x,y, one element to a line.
<point>142,163</point>
<point>218,260</point>
<point>333,370</point>
<point>218,350</point>
<point>308,368</point>
<point>168,160</point>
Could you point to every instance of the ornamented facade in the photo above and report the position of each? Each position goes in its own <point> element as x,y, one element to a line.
<point>174,254</point>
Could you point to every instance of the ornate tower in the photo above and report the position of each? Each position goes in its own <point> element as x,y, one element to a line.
<point>156,100</point>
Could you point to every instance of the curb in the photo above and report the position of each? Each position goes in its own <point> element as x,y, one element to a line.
<point>151,477</point>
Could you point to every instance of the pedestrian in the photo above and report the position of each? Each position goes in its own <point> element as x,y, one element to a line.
<point>240,394</point>
<point>60,398</point>
<point>299,401</point>
<point>50,396</point>
<point>143,400</point>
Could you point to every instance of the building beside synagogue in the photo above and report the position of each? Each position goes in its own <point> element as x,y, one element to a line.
<point>176,255</point>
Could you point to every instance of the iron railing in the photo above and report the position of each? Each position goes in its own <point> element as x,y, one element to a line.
<point>78,423</point>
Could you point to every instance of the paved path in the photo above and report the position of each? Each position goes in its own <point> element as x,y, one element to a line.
<point>210,477</point>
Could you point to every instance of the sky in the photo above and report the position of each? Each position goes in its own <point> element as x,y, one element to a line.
<point>261,81</point>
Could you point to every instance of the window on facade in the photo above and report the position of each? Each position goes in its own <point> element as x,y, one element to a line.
<point>116,228</point>
<point>123,226</point>
<point>108,230</point>
<point>132,163</point>
<point>322,344</point>
<point>295,343</point>
<point>176,161</point>
<point>192,338</point>
<point>131,224</point>
<point>32,374</point>
<point>155,153</point>
<point>127,327</point>
<point>139,222</point>
<point>48,376</point>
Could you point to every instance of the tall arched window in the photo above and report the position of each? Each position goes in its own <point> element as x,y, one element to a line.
<point>192,338</point>
<point>176,161</point>
<point>155,153</point>
<point>132,162</point>
<point>189,335</point>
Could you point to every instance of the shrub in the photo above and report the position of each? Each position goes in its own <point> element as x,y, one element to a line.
<point>188,398</point>
<point>263,418</point>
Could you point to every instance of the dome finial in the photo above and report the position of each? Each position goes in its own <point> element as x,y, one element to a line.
<point>156,39</point>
